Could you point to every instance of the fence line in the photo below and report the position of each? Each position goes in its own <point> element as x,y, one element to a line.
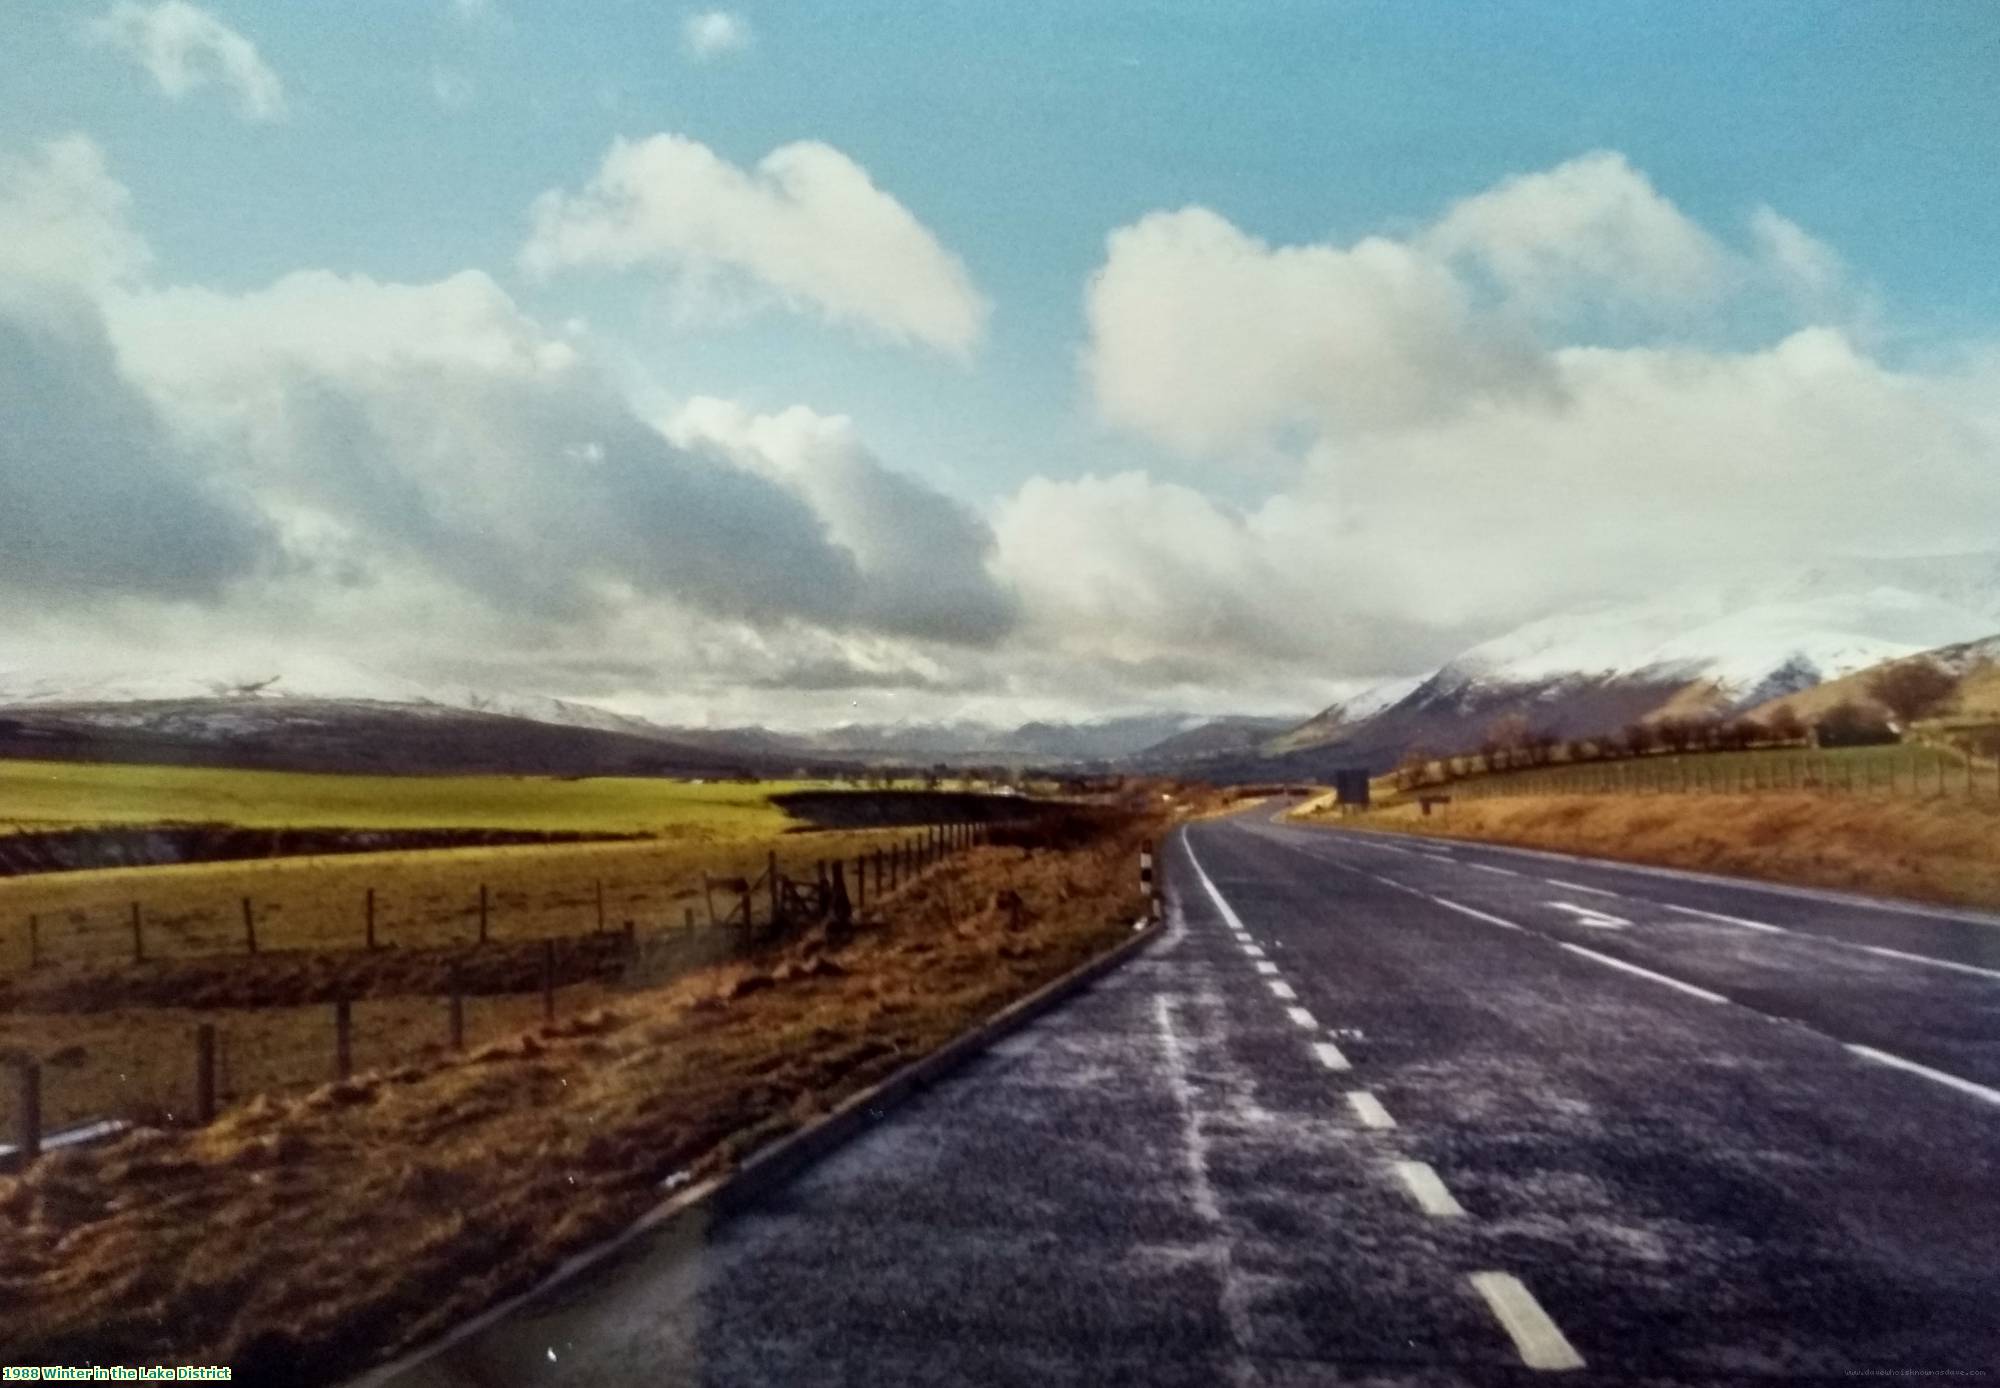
<point>141,924</point>
<point>1929,774</point>
<point>826,895</point>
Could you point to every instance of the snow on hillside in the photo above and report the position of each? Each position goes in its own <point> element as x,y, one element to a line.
<point>1808,633</point>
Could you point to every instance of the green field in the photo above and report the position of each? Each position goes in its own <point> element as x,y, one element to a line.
<point>1899,769</point>
<point>52,795</point>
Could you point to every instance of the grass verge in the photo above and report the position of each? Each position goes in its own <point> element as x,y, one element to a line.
<point>1937,850</point>
<point>297,1239</point>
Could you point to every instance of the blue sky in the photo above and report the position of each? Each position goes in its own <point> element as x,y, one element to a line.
<point>415,138</point>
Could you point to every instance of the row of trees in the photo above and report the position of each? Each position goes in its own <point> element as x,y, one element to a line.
<point>1901,694</point>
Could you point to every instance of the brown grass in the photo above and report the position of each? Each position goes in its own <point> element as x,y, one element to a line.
<point>1938,850</point>
<point>423,899</point>
<point>297,1238</point>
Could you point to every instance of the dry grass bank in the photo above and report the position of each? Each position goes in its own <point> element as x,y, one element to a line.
<point>427,898</point>
<point>1938,850</point>
<point>298,1238</point>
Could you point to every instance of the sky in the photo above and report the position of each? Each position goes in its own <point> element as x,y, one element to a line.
<point>808,364</point>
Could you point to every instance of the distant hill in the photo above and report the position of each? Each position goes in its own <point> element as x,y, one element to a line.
<point>350,736</point>
<point>1231,735</point>
<point>1713,646</point>
<point>1975,663</point>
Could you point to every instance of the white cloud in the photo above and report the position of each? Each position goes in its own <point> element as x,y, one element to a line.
<point>806,225</point>
<point>1206,338</point>
<point>184,48</point>
<point>715,34</point>
<point>1809,269</point>
<point>1592,232</point>
<point>922,556</point>
<point>64,218</point>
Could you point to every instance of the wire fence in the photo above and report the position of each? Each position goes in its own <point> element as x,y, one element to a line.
<point>97,1050</point>
<point>1900,771</point>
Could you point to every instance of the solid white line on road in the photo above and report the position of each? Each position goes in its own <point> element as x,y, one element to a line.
<point>1888,953</point>
<point>1540,1343</point>
<point>1229,917</point>
<point>1329,1054</point>
<point>1283,991</point>
<point>1265,966</point>
<point>1624,967</point>
<point>1496,871</point>
<point>1728,920</point>
<point>1427,1190</point>
<point>1977,1091</point>
<point>1468,911</point>
<point>1369,1109</point>
<point>1301,1017</point>
<point>1579,887</point>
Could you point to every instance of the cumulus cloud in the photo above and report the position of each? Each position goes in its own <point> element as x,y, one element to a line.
<point>185,48</point>
<point>1205,337</point>
<point>1590,233</point>
<point>97,496</point>
<point>714,34</point>
<point>806,226</point>
<point>922,555</point>
<point>429,457</point>
<point>1541,398</point>
<point>65,220</point>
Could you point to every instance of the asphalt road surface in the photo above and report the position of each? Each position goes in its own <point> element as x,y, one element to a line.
<point>1389,1111</point>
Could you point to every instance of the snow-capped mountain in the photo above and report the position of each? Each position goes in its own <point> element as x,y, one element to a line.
<point>1715,644</point>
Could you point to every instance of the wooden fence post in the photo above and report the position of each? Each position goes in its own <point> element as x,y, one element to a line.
<point>343,1039</point>
<point>860,880</point>
<point>771,882</point>
<point>455,1013</point>
<point>28,1108</point>
<point>369,911</point>
<point>204,1073</point>
<point>748,918</point>
<point>548,980</point>
<point>482,913</point>
<point>249,927</point>
<point>138,940</point>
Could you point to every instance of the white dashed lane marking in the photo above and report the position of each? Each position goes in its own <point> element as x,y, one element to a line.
<point>1301,1017</point>
<point>1635,970</point>
<point>1329,1054</point>
<point>1496,871</point>
<point>1579,887</point>
<point>1368,1109</point>
<point>1977,1091</point>
<point>1266,967</point>
<point>1728,920</point>
<point>1283,991</point>
<point>1469,911</point>
<point>1428,1190</point>
<point>1253,951</point>
<point>1537,1339</point>
<point>1952,964</point>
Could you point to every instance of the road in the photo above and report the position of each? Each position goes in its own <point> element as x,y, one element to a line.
<point>1396,1112</point>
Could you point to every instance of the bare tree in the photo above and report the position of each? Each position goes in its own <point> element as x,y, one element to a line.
<point>1505,736</point>
<point>1640,738</point>
<point>1912,689</point>
<point>1784,725</point>
<point>1848,724</point>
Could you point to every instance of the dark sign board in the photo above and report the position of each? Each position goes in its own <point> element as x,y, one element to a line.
<point>1350,786</point>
